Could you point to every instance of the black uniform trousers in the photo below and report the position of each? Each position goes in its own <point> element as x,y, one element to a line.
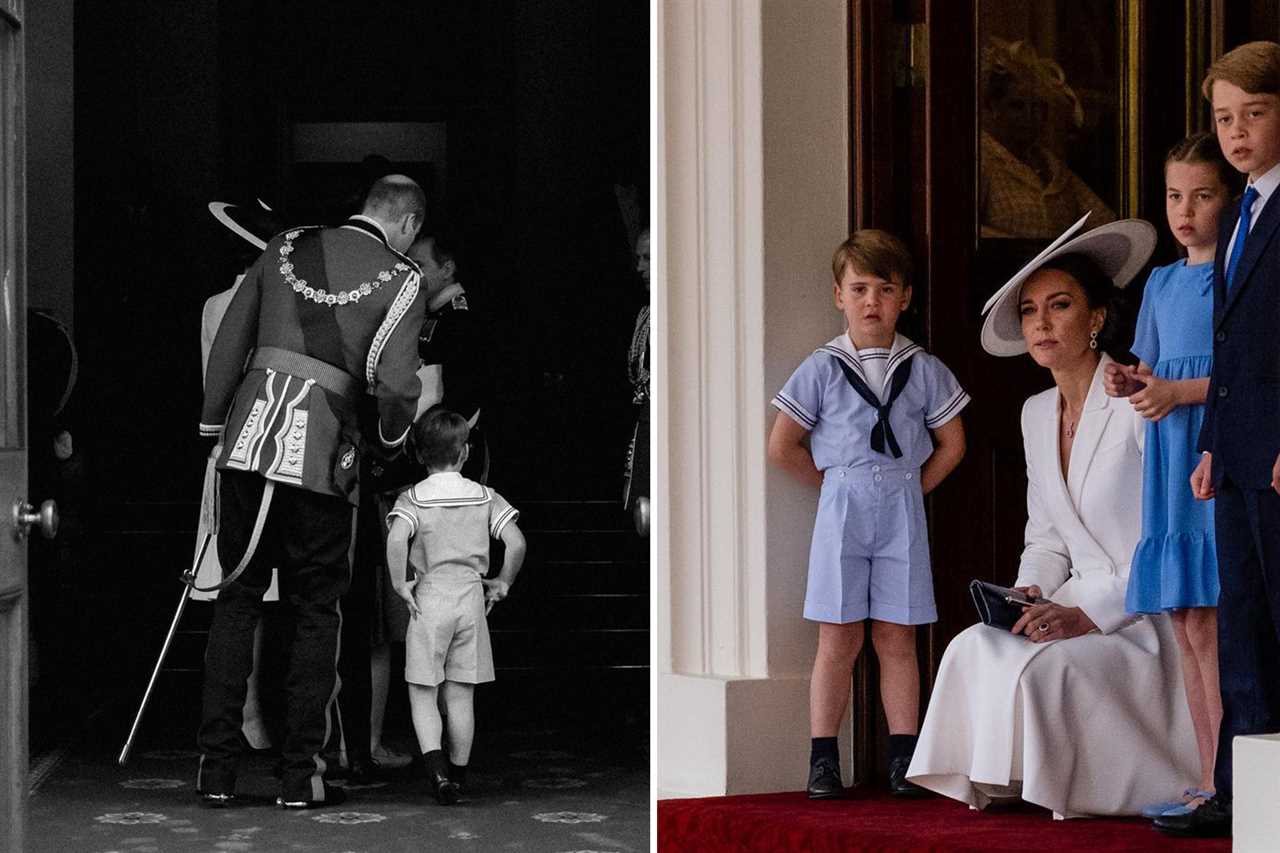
<point>307,536</point>
<point>1247,527</point>
<point>355,699</point>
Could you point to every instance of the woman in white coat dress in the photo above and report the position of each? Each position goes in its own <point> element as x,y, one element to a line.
<point>1079,709</point>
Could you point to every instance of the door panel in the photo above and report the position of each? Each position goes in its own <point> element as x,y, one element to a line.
<point>13,454</point>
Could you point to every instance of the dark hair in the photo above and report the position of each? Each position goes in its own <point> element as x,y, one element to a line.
<point>1099,290</point>
<point>446,245</point>
<point>439,436</point>
<point>1204,148</point>
<point>875,252</point>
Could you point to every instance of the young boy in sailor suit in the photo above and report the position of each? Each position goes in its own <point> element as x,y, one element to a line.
<point>441,526</point>
<point>871,419</point>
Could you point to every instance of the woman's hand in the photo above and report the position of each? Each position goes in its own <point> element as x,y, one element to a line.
<point>1157,399</point>
<point>1044,622</point>
<point>1032,591</point>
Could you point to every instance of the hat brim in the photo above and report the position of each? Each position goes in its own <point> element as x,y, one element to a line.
<point>1120,249</point>
<point>228,214</point>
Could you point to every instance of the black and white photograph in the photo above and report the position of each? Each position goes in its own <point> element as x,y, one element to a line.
<point>324,433</point>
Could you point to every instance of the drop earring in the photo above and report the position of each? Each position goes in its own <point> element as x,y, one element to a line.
<point>1093,339</point>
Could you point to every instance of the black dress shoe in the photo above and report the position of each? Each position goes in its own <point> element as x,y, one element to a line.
<point>824,780</point>
<point>1211,820</point>
<point>445,790</point>
<point>217,799</point>
<point>332,797</point>
<point>898,784</point>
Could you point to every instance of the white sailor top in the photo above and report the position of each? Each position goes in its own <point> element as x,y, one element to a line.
<point>820,398</point>
<point>451,520</point>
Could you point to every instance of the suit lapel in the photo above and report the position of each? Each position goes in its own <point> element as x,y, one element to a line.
<point>1225,227</point>
<point>1093,423</point>
<point>1257,240</point>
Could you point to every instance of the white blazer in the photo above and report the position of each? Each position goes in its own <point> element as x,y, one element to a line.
<point>1081,532</point>
<point>1093,725</point>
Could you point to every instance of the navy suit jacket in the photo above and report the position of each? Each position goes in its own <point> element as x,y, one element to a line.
<point>1242,415</point>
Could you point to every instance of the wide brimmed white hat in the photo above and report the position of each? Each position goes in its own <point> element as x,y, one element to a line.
<point>1118,248</point>
<point>254,223</point>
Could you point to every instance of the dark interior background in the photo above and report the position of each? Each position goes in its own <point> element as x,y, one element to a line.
<point>546,105</point>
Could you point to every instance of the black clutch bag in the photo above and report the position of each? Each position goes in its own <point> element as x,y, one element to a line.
<point>998,606</point>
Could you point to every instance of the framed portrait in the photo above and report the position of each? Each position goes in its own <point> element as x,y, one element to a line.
<point>1056,85</point>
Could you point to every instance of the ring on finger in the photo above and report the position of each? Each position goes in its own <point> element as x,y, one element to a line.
<point>1044,628</point>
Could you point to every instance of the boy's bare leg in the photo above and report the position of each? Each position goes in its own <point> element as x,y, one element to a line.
<point>426,717</point>
<point>459,701</point>
<point>829,687</point>
<point>895,647</point>
<point>427,725</point>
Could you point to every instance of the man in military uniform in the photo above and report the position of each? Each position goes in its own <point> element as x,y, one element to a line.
<point>328,314</point>
<point>452,346</point>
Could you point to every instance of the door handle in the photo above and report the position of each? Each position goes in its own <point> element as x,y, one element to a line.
<point>25,515</point>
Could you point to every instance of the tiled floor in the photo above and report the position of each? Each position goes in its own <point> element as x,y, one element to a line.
<point>530,791</point>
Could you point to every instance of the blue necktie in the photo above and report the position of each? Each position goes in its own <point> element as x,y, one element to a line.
<point>1242,233</point>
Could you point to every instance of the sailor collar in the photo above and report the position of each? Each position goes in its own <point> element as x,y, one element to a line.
<point>841,348</point>
<point>448,488</point>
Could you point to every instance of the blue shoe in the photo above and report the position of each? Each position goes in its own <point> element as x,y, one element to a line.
<point>1156,810</point>
<point>1187,808</point>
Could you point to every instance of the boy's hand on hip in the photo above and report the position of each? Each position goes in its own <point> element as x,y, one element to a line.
<point>1202,478</point>
<point>494,591</point>
<point>404,589</point>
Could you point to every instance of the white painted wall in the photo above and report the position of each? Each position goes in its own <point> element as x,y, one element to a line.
<point>752,176</point>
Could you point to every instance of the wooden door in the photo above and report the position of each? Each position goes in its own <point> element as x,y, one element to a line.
<point>916,149</point>
<point>13,453</point>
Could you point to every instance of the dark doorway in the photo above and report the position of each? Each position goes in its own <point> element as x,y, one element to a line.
<point>545,108</point>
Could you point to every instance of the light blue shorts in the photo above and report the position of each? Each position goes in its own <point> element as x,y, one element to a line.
<point>870,551</point>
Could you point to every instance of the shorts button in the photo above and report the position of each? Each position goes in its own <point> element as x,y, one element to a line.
<point>875,468</point>
<point>879,478</point>
<point>841,475</point>
<point>908,476</point>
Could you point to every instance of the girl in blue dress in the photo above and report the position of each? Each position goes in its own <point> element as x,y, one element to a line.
<point>1175,567</point>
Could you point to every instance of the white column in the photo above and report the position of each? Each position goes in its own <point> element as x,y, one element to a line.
<point>752,200</point>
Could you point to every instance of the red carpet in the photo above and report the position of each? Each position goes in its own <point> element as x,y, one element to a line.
<point>872,820</point>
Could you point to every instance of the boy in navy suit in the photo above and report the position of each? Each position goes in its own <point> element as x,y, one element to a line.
<point>1241,433</point>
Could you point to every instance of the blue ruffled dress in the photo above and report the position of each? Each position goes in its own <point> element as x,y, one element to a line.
<point>1175,564</point>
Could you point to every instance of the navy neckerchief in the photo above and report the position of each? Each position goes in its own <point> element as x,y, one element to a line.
<point>882,433</point>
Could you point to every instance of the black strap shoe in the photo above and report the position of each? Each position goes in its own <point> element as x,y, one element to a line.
<point>824,780</point>
<point>1211,820</point>
<point>898,784</point>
